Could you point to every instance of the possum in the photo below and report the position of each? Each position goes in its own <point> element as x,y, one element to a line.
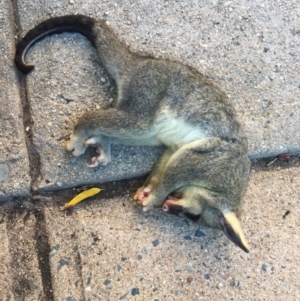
<point>202,175</point>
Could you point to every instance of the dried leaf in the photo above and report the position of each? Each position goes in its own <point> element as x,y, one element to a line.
<point>80,197</point>
<point>271,162</point>
<point>284,157</point>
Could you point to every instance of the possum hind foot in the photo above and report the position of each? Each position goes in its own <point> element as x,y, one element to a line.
<point>142,193</point>
<point>101,159</point>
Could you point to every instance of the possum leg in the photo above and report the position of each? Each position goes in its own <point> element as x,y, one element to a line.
<point>154,177</point>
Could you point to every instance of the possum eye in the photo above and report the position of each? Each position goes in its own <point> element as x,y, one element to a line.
<point>191,216</point>
<point>172,208</point>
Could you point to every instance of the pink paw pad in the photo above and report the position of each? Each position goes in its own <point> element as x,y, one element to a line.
<point>142,194</point>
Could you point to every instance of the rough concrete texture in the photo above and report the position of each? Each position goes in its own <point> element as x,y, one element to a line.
<point>14,164</point>
<point>5,259</point>
<point>107,249</point>
<point>20,271</point>
<point>248,49</point>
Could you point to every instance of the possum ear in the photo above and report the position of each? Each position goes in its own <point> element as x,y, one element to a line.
<point>232,228</point>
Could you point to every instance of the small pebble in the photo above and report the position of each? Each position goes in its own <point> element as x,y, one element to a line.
<point>4,172</point>
<point>199,233</point>
<point>188,269</point>
<point>266,49</point>
<point>55,247</point>
<point>234,283</point>
<point>144,250</point>
<point>135,291</point>
<point>155,243</point>
<point>62,263</point>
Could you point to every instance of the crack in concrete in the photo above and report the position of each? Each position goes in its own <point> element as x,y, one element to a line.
<point>34,157</point>
<point>43,253</point>
<point>21,233</point>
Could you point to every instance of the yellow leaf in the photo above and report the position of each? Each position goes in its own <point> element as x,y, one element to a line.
<point>80,197</point>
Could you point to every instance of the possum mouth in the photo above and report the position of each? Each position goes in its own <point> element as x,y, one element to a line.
<point>171,207</point>
<point>174,209</point>
<point>95,160</point>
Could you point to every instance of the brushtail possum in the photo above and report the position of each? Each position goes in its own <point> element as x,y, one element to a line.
<point>203,173</point>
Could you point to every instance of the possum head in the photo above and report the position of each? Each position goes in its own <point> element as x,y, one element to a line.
<point>198,211</point>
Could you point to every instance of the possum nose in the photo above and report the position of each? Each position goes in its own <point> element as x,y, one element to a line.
<point>165,208</point>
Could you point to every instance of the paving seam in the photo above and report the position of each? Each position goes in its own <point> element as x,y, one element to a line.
<point>26,208</point>
<point>34,157</point>
<point>43,253</point>
<point>41,236</point>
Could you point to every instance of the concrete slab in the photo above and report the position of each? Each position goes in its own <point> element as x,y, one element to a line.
<point>20,277</point>
<point>5,259</point>
<point>14,164</point>
<point>107,249</point>
<point>248,49</point>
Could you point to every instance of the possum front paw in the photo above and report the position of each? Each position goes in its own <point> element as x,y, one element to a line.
<point>76,146</point>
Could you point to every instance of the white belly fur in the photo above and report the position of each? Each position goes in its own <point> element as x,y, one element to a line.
<point>176,133</point>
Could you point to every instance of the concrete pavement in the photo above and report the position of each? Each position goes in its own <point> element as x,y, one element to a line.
<point>107,249</point>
